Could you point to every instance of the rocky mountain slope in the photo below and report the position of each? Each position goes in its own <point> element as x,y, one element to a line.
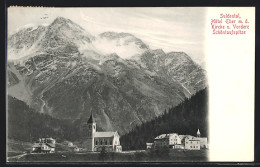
<point>66,72</point>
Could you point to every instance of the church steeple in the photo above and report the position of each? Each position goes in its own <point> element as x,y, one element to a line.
<point>198,133</point>
<point>91,130</point>
<point>91,119</point>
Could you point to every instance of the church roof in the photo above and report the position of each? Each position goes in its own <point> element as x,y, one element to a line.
<point>91,119</point>
<point>198,132</point>
<point>104,134</point>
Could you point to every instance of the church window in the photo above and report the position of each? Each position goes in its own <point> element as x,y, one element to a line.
<point>190,146</point>
<point>111,142</point>
<point>94,126</point>
<point>96,142</point>
<point>106,142</point>
<point>101,142</point>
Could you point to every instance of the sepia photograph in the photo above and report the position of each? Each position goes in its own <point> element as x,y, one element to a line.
<point>116,84</point>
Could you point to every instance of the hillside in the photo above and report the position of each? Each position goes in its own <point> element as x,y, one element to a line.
<point>25,124</point>
<point>186,118</point>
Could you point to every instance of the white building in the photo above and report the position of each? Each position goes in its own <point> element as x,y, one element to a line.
<point>175,141</point>
<point>44,145</point>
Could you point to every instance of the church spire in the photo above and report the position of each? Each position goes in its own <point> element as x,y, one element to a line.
<point>198,133</point>
<point>91,119</point>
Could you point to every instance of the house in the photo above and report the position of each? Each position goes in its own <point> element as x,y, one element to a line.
<point>44,145</point>
<point>97,141</point>
<point>149,145</point>
<point>191,144</point>
<point>70,144</point>
<point>161,141</point>
<point>175,141</point>
<point>76,149</point>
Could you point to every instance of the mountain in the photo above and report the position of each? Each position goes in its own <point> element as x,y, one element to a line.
<point>177,66</point>
<point>64,71</point>
<point>61,34</point>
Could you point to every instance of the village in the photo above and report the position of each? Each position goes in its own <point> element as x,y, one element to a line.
<point>110,142</point>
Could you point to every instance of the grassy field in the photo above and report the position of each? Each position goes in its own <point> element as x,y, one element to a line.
<point>16,147</point>
<point>144,156</point>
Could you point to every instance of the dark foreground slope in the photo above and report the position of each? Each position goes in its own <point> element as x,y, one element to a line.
<point>25,124</point>
<point>186,118</point>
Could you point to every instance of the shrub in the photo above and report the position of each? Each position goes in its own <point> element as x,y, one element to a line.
<point>159,153</point>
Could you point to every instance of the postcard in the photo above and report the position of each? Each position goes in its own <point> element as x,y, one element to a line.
<point>130,84</point>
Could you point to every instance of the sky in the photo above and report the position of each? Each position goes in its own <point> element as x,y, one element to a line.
<point>167,28</point>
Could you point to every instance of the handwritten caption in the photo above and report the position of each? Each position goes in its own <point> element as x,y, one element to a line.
<point>229,24</point>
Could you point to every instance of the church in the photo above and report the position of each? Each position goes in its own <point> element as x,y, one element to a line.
<point>96,141</point>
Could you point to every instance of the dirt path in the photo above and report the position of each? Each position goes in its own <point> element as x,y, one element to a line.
<point>16,157</point>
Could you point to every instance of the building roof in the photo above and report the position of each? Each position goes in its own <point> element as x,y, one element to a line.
<point>91,119</point>
<point>162,136</point>
<point>189,136</point>
<point>41,144</point>
<point>182,136</point>
<point>37,145</point>
<point>173,134</point>
<point>202,137</point>
<point>104,134</point>
<point>50,145</point>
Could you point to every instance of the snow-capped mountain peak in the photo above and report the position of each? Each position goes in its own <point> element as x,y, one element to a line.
<point>66,72</point>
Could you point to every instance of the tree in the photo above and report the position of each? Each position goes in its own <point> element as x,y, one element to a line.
<point>185,118</point>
